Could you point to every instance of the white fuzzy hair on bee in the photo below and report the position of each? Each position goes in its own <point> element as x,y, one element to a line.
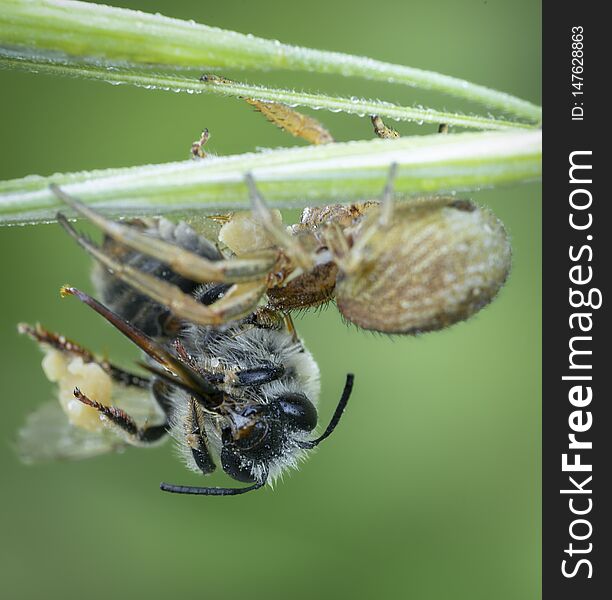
<point>228,352</point>
<point>240,394</point>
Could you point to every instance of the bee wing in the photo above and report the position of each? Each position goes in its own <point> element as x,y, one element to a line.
<point>47,435</point>
<point>138,403</point>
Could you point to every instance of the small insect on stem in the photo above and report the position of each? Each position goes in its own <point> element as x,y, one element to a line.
<point>286,118</point>
<point>381,130</point>
<point>197,148</point>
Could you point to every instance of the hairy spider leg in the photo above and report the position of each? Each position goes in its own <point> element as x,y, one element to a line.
<point>181,261</point>
<point>239,301</point>
<point>291,246</point>
<point>348,258</point>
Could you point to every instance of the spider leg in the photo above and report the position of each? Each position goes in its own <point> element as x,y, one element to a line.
<point>338,245</point>
<point>290,327</point>
<point>349,258</point>
<point>181,261</point>
<point>45,337</point>
<point>139,435</point>
<point>378,221</point>
<point>386,200</point>
<point>239,301</point>
<point>279,234</point>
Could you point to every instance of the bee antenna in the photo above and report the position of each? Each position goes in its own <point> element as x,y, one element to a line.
<point>209,491</point>
<point>346,394</point>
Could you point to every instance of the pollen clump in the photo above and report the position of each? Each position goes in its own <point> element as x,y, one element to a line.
<point>437,262</point>
<point>244,233</point>
<point>70,372</point>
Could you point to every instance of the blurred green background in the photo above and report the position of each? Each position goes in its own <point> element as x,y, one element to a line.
<point>430,487</point>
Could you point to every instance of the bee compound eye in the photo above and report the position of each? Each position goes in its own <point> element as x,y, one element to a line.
<point>298,411</point>
<point>236,466</point>
<point>252,436</point>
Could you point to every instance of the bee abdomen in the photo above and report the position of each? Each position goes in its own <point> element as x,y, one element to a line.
<point>144,313</point>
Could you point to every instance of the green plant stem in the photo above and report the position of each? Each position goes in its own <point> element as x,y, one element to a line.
<point>136,39</point>
<point>296,177</point>
<point>177,83</point>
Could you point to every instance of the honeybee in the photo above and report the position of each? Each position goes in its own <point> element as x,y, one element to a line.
<point>242,393</point>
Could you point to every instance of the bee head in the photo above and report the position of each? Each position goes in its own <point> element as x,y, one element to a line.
<point>260,434</point>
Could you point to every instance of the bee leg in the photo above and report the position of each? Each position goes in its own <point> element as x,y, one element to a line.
<point>279,234</point>
<point>48,338</point>
<point>381,130</point>
<point>140,435</point>
<point>255,376</point>
<point>196,439</point>
<point>175,371</point>
<point>239,301</point>
<point>181,261</point>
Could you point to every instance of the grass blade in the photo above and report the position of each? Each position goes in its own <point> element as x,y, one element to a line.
<point>295,177</point>
<point>178,83</point>
<point>134,38</point>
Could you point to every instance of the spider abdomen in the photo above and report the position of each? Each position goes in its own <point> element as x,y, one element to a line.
<point>431,267</point>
